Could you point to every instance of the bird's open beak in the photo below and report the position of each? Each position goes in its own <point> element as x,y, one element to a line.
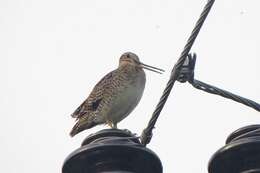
<point>151,68</point>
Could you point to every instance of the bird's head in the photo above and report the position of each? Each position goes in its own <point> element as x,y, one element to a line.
<point>130,58</point>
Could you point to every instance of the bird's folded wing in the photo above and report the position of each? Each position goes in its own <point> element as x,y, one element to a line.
<point>93,101</point>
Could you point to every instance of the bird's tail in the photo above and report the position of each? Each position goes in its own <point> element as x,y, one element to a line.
<point>82,124</point>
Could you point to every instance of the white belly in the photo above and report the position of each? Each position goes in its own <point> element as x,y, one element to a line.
<point>127,100</point>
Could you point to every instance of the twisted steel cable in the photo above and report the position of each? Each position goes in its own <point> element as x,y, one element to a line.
<point>214,90</point>
<point>187,74</point>
<point>147,132</point>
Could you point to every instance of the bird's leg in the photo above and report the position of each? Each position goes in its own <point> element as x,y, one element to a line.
<point>114,125</point>
<point>110,124</point>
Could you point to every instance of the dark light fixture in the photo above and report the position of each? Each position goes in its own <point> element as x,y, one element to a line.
<point>112,151</point>
<point>241,154</point>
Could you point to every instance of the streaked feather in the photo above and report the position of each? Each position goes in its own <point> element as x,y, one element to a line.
<point>94,99</point>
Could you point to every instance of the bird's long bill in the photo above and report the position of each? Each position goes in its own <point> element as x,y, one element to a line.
<point>151,68</point>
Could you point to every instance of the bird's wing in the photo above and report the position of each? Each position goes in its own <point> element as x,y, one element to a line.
<point>93,101</point>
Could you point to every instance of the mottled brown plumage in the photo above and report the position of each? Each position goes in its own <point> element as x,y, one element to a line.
<point>114,96</point>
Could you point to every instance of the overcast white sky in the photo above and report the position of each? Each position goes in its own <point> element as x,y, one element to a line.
<point>53,52</point>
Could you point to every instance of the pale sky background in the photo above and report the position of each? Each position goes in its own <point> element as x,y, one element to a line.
<point>53,52</point>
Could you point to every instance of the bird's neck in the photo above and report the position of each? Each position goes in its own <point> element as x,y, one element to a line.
<point>130,70</point>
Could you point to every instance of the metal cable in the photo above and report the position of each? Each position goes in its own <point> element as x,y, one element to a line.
<point>214,90</point>
<point>187,74</point>
<point>147,132</point>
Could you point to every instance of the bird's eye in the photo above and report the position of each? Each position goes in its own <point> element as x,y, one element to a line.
<point>128,55</point>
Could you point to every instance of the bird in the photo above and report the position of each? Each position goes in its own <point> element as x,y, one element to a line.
<point>115,96</point>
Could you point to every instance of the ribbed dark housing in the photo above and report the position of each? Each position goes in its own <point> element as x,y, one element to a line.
<point>241,154</point>
<point>112,151</point>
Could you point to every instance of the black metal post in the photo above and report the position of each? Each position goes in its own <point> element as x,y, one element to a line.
<point>241,154</point>
<point>112,151</point>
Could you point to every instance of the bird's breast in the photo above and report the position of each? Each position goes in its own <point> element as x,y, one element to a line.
<point>127,97</point>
